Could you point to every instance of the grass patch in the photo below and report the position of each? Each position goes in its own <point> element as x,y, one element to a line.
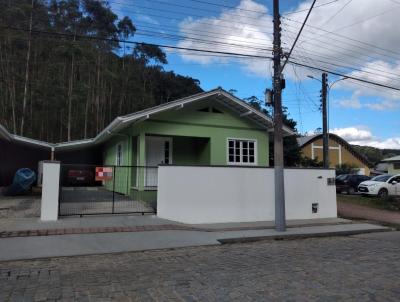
<point>390,203</point>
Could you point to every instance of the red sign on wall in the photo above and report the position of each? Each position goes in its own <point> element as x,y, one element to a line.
<point>104,173</point>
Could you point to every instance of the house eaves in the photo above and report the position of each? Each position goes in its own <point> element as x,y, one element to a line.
<point>392,159</point>
<point>121,122</point>
<point>4,134</point>
<point>221,95</point>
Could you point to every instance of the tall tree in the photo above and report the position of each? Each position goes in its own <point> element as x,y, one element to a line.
<point>65,86</point>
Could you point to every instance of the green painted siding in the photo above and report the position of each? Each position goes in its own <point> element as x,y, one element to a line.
<point>189,151</point>
<point>198,138</point>
<point>217,127</point>
<point>121,175</point>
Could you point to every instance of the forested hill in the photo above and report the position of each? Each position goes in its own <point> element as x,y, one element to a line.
<point>56,85</point>
<point>375,155</point>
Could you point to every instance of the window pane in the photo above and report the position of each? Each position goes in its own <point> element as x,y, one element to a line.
<point>231,158</point>
<point>251,159</point>
<point>237,144</point>
<point>231,144</point>
<point>245,144</point>
<point>245,152</point>
<point>231,151</point>
<point>237,159</point>
<point>251,151</point>
<point>251,145</point>
<point>245,159</point>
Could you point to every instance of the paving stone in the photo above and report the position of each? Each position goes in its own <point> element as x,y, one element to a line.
<point>319,269</point>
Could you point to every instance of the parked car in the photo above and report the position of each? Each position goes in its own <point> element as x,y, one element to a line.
<point>381,186</point>
<point>80,176</point>
<point>349,182</point>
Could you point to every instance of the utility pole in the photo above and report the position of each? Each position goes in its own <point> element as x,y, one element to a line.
<point>280,219</point>
<point>325,138</point>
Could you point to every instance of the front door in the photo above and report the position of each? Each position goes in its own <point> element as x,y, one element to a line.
<point>158,151</point>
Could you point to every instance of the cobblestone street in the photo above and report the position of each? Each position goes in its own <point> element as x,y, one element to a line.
<point>357,268</point>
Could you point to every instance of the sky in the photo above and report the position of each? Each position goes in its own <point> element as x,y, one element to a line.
<point>356,38</point>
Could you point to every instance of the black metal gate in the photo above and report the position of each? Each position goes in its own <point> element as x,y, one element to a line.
<point>93,190</point>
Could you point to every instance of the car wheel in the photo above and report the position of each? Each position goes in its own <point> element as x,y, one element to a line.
<point>350,191</point>
<point>383,193</point>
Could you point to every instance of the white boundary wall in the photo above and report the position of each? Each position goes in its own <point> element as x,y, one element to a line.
<point>50,191</point>
<point>191,194</point>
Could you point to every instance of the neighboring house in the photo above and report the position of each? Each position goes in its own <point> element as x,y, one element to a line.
<point>209,128</point>
<point>340,152</point>
<point>393,164</point>
<point>379,169</point>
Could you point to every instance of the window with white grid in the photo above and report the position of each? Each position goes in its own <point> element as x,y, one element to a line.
<point>242,151</point>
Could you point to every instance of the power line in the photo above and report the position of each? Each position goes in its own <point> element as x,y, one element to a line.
<point>231,7</point>
<point>134,42</point>
<point>184,6</point>
<point>179,38</point>
<point>240,55</point>
<point>328,42</point>
<point>344,75</point>
<point>344,37</point>
<point>192,15</point>
<point>380,72</point>
<point>298,35</point>
<point>304,10</point>
<point>338,12</point>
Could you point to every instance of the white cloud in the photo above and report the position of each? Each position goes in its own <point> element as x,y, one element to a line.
<point>353,103</point>
<point>370,21</point>
<point>241,30</point>
<point>364,137</point>
<point>352,134</point>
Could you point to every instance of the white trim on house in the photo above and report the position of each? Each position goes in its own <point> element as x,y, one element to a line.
<point>241,140</point>
<point>221,96</point>
<point>312,151</point>
<point>339,148</point>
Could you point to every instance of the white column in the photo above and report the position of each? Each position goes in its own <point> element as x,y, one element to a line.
<point>50,190</point>
<point>312,151</point>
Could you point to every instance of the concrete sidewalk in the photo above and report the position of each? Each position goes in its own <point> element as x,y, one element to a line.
<point>18,248</point>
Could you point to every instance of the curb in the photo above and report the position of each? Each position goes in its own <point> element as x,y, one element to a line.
<point>301,236</point>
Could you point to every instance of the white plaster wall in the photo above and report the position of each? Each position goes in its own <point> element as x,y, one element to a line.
<point>50,191</point>
<point>303,187</point>
<point>238,194</point>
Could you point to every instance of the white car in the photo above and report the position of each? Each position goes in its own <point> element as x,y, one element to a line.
<point>381,186</point>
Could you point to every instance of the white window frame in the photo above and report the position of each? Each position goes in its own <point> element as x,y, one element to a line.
<point>121,159</point>
<point>241,163</point>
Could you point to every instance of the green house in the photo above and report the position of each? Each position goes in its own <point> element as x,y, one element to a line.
<point>210,128</point>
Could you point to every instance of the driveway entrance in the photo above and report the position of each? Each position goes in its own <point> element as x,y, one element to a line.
<point>90,190</point>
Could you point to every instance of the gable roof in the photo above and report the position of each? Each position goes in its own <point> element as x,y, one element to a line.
<point>305,140</point>
<point>390,159</point>
<point>121,122</point>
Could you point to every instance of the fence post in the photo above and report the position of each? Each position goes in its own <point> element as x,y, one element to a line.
<point>113,201</point>
<point>50,190</point>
